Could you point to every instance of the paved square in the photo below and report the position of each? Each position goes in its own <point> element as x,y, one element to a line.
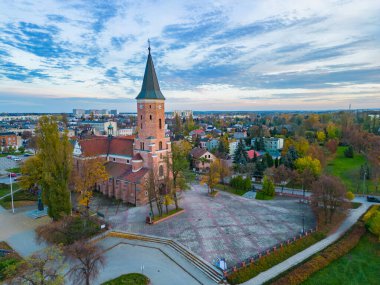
<point>226,226</point>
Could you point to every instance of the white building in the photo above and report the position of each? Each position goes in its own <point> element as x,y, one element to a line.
<point>233,146</point>
<point>273,143</point>
<point>125,132</point>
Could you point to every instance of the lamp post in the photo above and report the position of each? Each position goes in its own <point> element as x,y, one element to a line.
<point>10,181</point>
<point>303,222</point>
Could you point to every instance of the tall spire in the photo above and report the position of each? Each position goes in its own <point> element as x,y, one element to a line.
<point>150,88</point>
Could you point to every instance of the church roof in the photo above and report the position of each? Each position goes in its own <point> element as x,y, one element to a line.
<point>150,88</point>
<point>96,146</point>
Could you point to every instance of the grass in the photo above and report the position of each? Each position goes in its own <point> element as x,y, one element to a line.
<point>261,196</point>
<point>360,266</point>
<point>5,188</point>
<point>14,170</point>
<point>165,215</point>
<point>355,205</point>
<point>129,279</point>
<point>7,260</point>
<point>348,169</point>
<point>229,189</point>
<point>20,198</point>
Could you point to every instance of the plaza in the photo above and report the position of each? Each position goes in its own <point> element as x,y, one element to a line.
<point>227,226</point>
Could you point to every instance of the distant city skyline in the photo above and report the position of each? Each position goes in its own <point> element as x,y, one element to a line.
<point>56,56</point>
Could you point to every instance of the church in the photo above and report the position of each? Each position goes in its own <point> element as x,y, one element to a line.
<point>128,160</point>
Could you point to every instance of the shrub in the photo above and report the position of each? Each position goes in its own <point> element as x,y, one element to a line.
<point>268,261</point>
<point>68,230</point>
<point>129,279</point>
<point>373,224</point>
<point>268,190</point>
<point>370,213</point>
<point>350,196</point>
<point>349,152</point>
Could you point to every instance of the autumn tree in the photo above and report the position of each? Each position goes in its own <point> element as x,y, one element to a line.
<point>281,175</point>
<point>290,157</point>
<point>88,259</point>
<point>332,145</point>
<point>90,172</point>
<point>212,178</point>
<point>268,189</point>
<point>224,170</point>
<point>321,136</point>
<point>178,165</point>
<point>177,125</point>
<point>54,161</point>
<point>45,267</point>
<point>31,171</point>
<point>328,194</point>
<point>223,146</point>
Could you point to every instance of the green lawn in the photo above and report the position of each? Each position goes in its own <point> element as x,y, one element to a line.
<point>228,188</point>
<point>360,266</point>
<point>20,198</point>
<point>348,169</point>
<point>5,188</point>
<point>14,170</point>
<point>129,279</point>
<point>7,260</point>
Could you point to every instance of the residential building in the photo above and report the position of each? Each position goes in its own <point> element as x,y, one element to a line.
<point>100,127</point>
<point>201,159</point>
<point>272,144</point>
<point>183,113</point>
<point>8,139</point>
<point>233,146</point>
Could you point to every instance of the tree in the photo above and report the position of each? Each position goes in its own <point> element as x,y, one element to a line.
<point>54,161</point>
<point>223,146</point>
<point>88,259</point>
<point>321,136</point>
<point>302,146</point>
<point>212,178</point>
<point>307,162</point>
<point>178,165</point>
<point>332,145</point>
<point>281,175</point>
<point>268,189</point>
<point>177,130</point>
<point>21,149</point>
<point>224,171</point>
<point>349,152</point>
<point>290,157</point>
<point>42,268</point>
<point>31,171</point>
<point>328,194</point>
<point>90,172</point>
<point>332,131</point>
<point>240,156</point>
<point>373,224</point>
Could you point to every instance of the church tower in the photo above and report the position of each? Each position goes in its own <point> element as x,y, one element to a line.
<point>151,146</point>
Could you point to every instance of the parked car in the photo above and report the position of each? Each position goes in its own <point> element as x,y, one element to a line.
<point>17,159</point>
<point>10,156</point>
<point>373,199</point>
<point>12,174</point>
<point>28,154</point>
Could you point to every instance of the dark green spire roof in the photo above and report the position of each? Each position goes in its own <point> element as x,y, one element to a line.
<point>150,88</point>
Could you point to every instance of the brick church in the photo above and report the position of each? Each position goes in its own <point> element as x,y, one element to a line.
<point>128,160</point>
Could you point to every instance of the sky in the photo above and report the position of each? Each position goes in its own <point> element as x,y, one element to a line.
<point>209,55</point>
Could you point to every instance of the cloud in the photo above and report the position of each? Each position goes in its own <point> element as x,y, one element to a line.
<point>204,51</point>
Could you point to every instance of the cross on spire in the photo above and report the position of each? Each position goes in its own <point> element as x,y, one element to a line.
<point>149,45</point>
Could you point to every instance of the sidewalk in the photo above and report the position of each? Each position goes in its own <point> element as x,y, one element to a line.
<point>265,276</point>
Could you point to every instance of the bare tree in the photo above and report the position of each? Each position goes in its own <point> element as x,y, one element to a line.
<point>43,268</point>
<point>88,259</point>
<point>328,195</point>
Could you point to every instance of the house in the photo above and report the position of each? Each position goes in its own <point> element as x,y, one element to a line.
<point>8,139</point>
<point>200,133</point>
<point>212,144</point>
<point>251,153</point>
<point>240,135</point>
<point>233,145</point>
<point>201,159</point>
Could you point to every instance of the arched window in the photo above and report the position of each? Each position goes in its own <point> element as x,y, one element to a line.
<point>161,171</point>
<point>141,125</point>
<point>141,117</point>
<point>150,116</point>
<point>160,145</point>
<point>159,123</point>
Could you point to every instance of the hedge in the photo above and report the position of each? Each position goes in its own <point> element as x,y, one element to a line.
<point>370,213</point>
<point>302,272</point>
<point>265,262</point>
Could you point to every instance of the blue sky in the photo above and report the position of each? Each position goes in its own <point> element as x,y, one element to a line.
<point>209,55</point>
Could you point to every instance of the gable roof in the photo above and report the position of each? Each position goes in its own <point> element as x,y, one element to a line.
<point>103,145</point>
<point>198,152</point>
<point>124,172</point>
<point>150,88</point>
<point>251,153</point>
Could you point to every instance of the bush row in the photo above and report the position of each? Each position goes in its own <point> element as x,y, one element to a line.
<point>265,262</point>
<point>370,213</point>
<point>324,258</point>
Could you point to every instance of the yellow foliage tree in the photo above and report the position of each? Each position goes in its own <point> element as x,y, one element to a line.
<point>212,178</point>
<point>90,172</point>
<point>302,146</point>
<point>31,173</point>
<point>321,136</point>
<point>309,163</point>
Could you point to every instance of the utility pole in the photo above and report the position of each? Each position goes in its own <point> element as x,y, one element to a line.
<point>364,176</point>
<point>10,180</point>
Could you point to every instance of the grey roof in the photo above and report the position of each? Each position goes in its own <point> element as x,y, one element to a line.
<point>150,88</point>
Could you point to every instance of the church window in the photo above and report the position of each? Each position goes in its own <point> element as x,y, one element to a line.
<point>114,159</point>
<point>160,124</point>
<point>150,116</point>
<point>146,193</point>
<point>161,171</point>
<point>150,106</point>
<point>141,125</point>
<point>141,117</point>
<point>160,145</point>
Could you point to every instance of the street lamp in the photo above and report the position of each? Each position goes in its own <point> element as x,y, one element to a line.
<point>10,181</point>
<point>303,222</point>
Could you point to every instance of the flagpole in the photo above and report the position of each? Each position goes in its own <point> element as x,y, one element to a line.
<point>10,180</point>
